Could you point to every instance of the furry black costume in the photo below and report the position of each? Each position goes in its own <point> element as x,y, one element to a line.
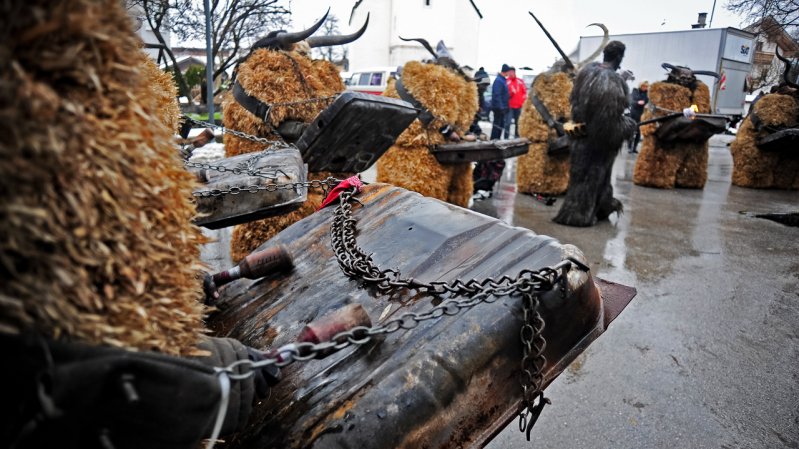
<point>598,101</point>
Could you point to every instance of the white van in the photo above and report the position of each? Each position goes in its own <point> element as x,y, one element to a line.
<point>372,80</point>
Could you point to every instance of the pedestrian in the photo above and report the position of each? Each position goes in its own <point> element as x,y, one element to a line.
<point>499,102</point>
<point>639,99</point>
<point>483,81</point>
<point>517,94</point>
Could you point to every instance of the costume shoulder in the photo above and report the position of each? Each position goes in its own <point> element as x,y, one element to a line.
<point>600,90</point>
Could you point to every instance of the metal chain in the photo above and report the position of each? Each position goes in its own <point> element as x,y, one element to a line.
<point>528,284</point>
<point>325,185</point>
<point>247,167</point>
<point>240,134</point>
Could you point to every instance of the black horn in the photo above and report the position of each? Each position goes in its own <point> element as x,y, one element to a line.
<point>424,43</point>
<point>668,66</point>
<point>787,71</point>
<point>551,39</point>
<point>286,39</point>
<point>327,41</point>
<point>598,51</point>
<point>707,72</point>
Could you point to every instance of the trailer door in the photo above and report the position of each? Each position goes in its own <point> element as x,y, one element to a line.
<point>731,94</point>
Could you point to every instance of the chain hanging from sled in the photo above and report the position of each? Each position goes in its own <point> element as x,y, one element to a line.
<point>528,284</point>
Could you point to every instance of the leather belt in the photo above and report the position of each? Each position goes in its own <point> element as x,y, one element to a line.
<point>253,105</point>
<point>425,116</point>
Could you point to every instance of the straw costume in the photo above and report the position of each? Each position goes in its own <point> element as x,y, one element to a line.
<point>279,70</point>
<point>443,90</point>
<point>681,163</point>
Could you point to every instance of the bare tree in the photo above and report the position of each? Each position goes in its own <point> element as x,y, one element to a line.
<point>156,13</point>
<point>236,24</point>
<point>784,12</point>
<point>332,53</point>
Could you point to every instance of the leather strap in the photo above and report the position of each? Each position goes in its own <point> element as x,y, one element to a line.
<point>425,116</point>
<point>544,112</point>
<point>255,106</point>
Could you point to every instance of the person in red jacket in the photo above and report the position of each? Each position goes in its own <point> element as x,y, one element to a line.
<point>518,93</point>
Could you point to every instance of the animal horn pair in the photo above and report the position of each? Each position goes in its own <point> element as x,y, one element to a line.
<point>668,66</point>
<point>424,43</point>
<point>286,39</point>
<point>327,41</point>
<point>569,63</point>
<point>787,63</point>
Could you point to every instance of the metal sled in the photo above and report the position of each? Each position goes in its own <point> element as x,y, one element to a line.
<point>782,140</point>
<point>353,132</point>
<point>684,129</point>
<point>480,151</point>
<point>451,381</point>
<point>236,189</point>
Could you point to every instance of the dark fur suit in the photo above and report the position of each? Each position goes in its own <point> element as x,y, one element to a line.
<point>598,101</point>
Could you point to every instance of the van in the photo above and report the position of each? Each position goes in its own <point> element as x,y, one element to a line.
<point>371,80</point>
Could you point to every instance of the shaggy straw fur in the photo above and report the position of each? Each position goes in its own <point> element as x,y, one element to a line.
<point>277,77</point>
<point>668,166</point>
<point>97,243</point>
<point>537,172</point>
<point>163,90</point>
<point>766,169</point>
<point>408,163</point>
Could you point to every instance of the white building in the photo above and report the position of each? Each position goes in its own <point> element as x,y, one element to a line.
<point>456,22</point>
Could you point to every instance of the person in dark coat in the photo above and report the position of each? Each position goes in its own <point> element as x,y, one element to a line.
<point>486,174</point>
<point>499,102</point>
<point>638,100</point>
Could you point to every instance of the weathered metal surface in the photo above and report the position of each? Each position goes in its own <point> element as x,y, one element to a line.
<point>353,132</point>
<point>447,383</point>
<point>684,129</point>
<point>220,209</point>
<point>480,151</point>
<point>783,140</point>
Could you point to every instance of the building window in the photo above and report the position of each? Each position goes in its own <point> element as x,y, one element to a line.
<point>759,46</point>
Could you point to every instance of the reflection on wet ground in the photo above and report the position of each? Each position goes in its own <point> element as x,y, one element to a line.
<point>707,355</point>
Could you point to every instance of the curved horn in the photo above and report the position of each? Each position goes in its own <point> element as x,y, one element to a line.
<point>423,42</point>
<point>668,66</point>
<point>326,41</point>
<point>551,39</point>
<point>707,72</point>
<point>598,51</point>
<point>787,63</point>
<point>290,38</point>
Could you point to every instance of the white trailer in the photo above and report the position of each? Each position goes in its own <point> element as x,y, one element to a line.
<point>727,51</point>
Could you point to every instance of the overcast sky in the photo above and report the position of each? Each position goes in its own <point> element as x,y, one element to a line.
<point>509,35</point>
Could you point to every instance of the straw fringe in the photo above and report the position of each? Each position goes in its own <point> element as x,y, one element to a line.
<point>97,244</point>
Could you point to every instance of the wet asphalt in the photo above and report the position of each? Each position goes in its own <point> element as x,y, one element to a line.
<point>707,354</point>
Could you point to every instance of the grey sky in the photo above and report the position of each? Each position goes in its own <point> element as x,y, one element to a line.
<point>509,35</point>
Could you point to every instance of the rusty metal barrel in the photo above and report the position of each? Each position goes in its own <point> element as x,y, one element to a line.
<point>450,382</point>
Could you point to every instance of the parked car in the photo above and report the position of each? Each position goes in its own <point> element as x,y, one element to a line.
<point>372,80</point>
